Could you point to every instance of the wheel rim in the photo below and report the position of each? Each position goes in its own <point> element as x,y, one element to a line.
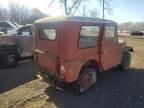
<point>10,58</point>
<point>127,62</point>
<point>87,81</point>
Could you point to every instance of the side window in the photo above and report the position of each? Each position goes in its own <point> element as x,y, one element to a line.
<point>49,34</point>
<point>110,33</point>
<point>2,25</point>
<point>88,36</point>
<point>5,25</point>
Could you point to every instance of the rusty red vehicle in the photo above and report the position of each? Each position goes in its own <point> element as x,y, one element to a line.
<point>76,49</point>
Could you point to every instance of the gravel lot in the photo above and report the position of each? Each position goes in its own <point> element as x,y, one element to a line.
<point>20,89</point>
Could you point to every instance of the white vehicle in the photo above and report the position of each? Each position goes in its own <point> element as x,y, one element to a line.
<point>13,48</point>
<point>2,33</point>
<point>9,27</point>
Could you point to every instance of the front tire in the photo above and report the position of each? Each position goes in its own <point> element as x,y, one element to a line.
<point>86,80</point>
<point>126,61</point>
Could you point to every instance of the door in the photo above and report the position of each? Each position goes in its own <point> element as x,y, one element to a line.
<point>111,51</point>
<point>46,46</point>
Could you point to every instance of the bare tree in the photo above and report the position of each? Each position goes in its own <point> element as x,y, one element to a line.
<point>3,13</point>
<point>83,11</point>
<point>24,15</point>
<point>93,12</point>
<point>106,5</point>
<point>131,26</point>
<point>70,6</point>
<point>51,2</point>
<point>20,14</point>
<point>35,14</point>
<point>14,12</point>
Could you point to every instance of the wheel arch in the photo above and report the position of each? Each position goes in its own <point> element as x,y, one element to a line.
<point>91,63</point>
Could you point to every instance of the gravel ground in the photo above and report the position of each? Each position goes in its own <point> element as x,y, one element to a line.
<point>20,89</point>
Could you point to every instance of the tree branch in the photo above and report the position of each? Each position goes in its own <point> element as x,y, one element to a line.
<point>76,7</point>
<point>51,3</point>
<point>65,5</point>
<point>75,2</point>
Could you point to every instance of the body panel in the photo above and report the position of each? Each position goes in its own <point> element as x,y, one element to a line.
<point>23,43</point>
<point>47,50</point>
<point>110,50</point>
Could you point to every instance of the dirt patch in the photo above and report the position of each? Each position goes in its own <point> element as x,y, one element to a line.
<point>30,95</point>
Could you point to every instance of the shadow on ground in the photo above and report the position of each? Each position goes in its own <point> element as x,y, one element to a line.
<point>116,90</point>
<point>13,77</point>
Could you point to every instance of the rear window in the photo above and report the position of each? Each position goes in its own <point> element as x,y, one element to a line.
<point>49,34</point>
<point>88,36</point>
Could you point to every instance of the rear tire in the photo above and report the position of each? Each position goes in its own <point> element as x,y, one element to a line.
<point>126,61</point>
<point>10,60</point>
<point>86,80</point>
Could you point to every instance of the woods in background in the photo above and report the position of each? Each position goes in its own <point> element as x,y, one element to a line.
<point>20,14</point>
<point>131,26</point>
<point>16,12</point>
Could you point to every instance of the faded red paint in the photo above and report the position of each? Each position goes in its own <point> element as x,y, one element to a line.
<point>62,57</point>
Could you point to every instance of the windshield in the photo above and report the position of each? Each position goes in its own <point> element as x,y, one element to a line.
<point>15,24</point>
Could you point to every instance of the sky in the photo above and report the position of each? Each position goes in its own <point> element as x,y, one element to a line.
<point>123,10</point>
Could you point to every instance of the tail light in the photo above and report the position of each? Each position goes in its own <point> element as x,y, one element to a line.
<point>60,70</point>
<point>58,65</point>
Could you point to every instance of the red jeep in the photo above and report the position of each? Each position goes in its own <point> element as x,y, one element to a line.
<point>76,49</point>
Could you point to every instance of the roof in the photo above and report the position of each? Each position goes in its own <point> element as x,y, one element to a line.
<point>73,18</point>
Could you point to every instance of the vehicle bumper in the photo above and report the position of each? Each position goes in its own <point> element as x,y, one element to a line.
<point>49,77</point>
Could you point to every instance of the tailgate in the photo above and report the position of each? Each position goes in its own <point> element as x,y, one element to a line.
<point>46,46</point>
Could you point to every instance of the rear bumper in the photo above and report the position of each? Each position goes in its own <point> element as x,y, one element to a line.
<point>49,76</point>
